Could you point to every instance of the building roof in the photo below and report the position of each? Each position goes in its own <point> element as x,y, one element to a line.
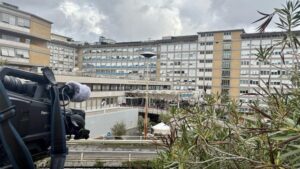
<point>68,44</point>
<point>219,31</point>
<point>170,39</point>
<point>16,8</point>
<point>265,34</point>
<point>66,37</point>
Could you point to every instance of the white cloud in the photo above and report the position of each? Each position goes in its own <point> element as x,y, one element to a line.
<point>140,20</point>
<point>84,19</point>
<point>128,20</point>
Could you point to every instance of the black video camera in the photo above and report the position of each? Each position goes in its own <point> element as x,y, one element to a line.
<point>34,119</point>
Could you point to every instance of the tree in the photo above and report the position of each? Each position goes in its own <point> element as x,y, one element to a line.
<point>119,129</point>
<point>141,124</point>
<point>165,117</point>
<point>3,62</point>
<point>215,135</point>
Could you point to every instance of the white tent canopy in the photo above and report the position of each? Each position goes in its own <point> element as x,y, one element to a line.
<point>161,128</point>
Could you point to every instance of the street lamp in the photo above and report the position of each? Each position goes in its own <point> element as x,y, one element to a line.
<point>147,55</point>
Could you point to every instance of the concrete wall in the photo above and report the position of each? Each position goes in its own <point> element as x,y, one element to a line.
<point>100,124</point>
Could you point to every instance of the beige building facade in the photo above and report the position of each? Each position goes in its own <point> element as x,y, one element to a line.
<point>23,38</point>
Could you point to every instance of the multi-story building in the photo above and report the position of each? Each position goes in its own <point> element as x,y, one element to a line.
<point>107,91</point>
<point>208,61</point>
<point>178,61</point>
<point>212,62</point>
<point>23,38</point>
<point>272,72</point>
<point>222,48</point>
<point>63,54</point>
<point>118,60</point>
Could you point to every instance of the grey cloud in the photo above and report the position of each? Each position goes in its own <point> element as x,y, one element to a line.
<point>128,20</point>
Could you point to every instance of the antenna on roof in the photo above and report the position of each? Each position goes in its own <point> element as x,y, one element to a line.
<point>10,5</point>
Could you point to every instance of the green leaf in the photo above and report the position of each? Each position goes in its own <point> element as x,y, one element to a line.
<point>289,121</point>
<point>281,138</point>
<point>289,153</point>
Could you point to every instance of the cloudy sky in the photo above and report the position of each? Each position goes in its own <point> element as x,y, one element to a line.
<point>130,20</point>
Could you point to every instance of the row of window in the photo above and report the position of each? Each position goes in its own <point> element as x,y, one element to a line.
<point>205,70</point>
<point>178,47</point>
<point>249,82</point>
<point>263,72</point>
<point>13,38</point>
<point>115,57</point>
<point>170,65</point>
<point>205,78</point>
<point>204,87</point>
<point>105,50</point>
<point>206,52</point>
<point>14,20</point>
<point>212,34</point>
<point>206,61</point>
<point>12,52</point>
<point>206,43</point>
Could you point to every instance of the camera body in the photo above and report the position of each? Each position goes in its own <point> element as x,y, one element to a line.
<point>32,120</point>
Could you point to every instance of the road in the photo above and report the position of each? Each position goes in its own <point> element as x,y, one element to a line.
<point>113,152</point>
<point>111,155</point>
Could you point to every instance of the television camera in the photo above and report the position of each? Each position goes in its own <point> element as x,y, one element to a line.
<point>34,119</point>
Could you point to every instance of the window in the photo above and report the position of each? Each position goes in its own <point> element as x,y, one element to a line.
<point>275,72</point>
<point>209,52</point>
<point>204,87</point>
<point>246,43</point>
<point>254,72</point>
<point>177,63</point>
<point>23,22</point>
<point>5,18</point>
<point>226,64</point>
<point>244,81</point>
<point>185,47</point>
<point>170,47</point>
<point>11,38</point>
<point>4,51</point>
<point>227,33</point>
<point>244,72</point>
<point>178,47</point>
<point>275,83</point>
<point>11,52</point>
<point>205,78</point>
<point>245,62</point>
<point>255,82</point>
<point>12,20</point>
<point>226,73</point>
<point>226,54</point>
<point>209,43</point>
<point>227,46</point>
<point>163,48</point>
<point>193,46</point>
<point>243,91</point>
<point>22,53</point>
<point>225,82</point>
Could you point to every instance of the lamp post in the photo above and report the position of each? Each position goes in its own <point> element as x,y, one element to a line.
<point>147,55</point>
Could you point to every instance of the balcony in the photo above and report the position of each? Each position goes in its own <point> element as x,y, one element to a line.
<point>14,44</point>
<point>14,28</point>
